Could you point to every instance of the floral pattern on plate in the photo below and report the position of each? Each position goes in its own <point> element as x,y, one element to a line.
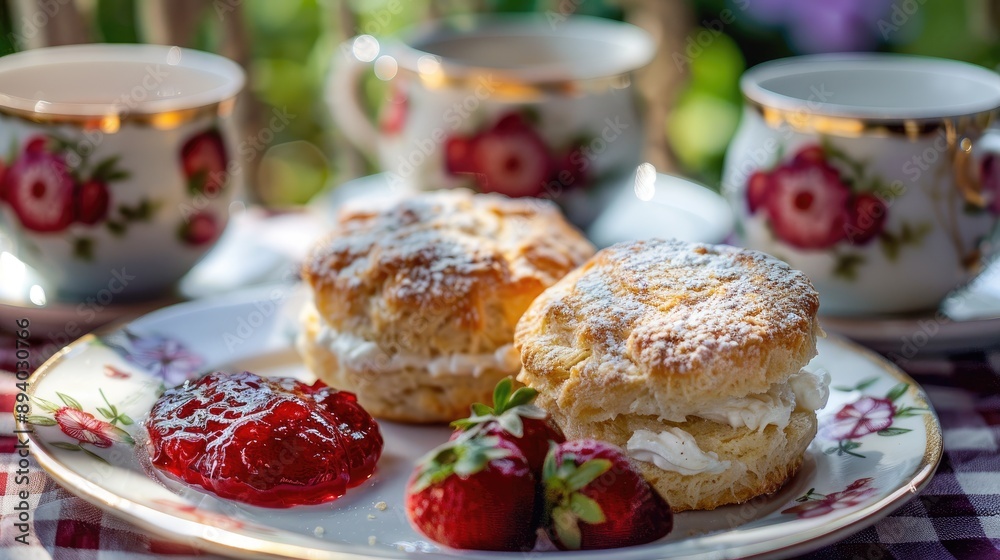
<point>865,416</point>
<point>164,357</point>
<point>82,426</point>
<point>812,504</point>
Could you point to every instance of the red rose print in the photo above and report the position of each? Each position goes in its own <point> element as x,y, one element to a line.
<point>515,163</point>
<point>458,155</point>
<point>3,190</point>
<point>809,156</point>
<point>202,228</point>
<point>990,177</point>
<point>758,186</point>
<point>204,160</point>
<point>36,145</point>
<point>807,206</point>
<point>85,428</point>
<point>91,202</point>
<point>865,416</point>
<point>39,189</point>
<point>867,214</point>
<point>511,158</point>
<point>394,113</point>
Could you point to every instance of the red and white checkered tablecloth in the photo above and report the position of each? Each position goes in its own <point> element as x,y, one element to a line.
<point>956,516</point>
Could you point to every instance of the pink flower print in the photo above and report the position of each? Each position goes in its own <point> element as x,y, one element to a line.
<point>200,229</point>
<point>85,428</point>
<point>855,493</point>
<point>990,176</point>
<point>807,206</point>
<point>865,416</point>
<point>39,188</point>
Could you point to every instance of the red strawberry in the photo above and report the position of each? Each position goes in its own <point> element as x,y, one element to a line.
<point>474,493</point>
<point>513,418</point>
<point>807,206</point>
<point>39,188</point>
<point>91,201</point>
<point>758,187</point>
<point>595,499</point>
<point>868,214</point>
<point>458,155</point>
<point>204,160</point>
<point>200,229</point>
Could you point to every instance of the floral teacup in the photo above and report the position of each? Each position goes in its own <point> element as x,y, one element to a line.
<point>518,104</point>
<point>876,175</point>
<point>116,166</point>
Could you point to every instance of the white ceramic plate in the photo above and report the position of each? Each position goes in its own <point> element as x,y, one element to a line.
<point>968,319</point>
<point>851,476</point>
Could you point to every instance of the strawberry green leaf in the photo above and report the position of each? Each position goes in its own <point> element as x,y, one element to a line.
<point>521,397</point>
<point>501,394</point>
<point>587,473</point>
<point>512,424</point>
<point>125,419</point>
<point>897,391</point>
<point>480,409</point>
<point>586,508</point>
<point>549,465</point>
<point>567,528</point>
<point>69,401</point>
<point>41,421</point>
<point>463,457</point>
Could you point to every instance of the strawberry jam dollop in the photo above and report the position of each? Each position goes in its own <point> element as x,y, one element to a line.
<point>266,441</point>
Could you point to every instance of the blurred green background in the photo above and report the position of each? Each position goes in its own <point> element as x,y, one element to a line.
<point>291,43</point>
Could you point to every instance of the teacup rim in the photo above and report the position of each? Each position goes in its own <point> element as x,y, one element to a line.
<point>755,93</point>
<point>639,46</point>
<point>232,73</point>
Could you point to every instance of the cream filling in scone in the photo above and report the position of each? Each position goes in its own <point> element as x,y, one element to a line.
<point>677,451</point>
<point>356,353</point>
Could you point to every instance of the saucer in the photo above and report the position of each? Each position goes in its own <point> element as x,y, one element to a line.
<point>967,320</point>
<point>653,204</point>
<point>256,248</point>
<point>671,207</point>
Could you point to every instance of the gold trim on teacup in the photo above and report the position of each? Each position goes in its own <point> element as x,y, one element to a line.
<point>111,123</point>
<point>809,122</point>
<point>506,86</point>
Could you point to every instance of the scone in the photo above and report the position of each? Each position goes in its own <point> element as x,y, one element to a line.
<point>416,299</point>
<point>689,357</point>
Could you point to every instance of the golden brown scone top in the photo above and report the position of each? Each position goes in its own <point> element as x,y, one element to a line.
<point>438,272</point>
<point>645,324</point>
